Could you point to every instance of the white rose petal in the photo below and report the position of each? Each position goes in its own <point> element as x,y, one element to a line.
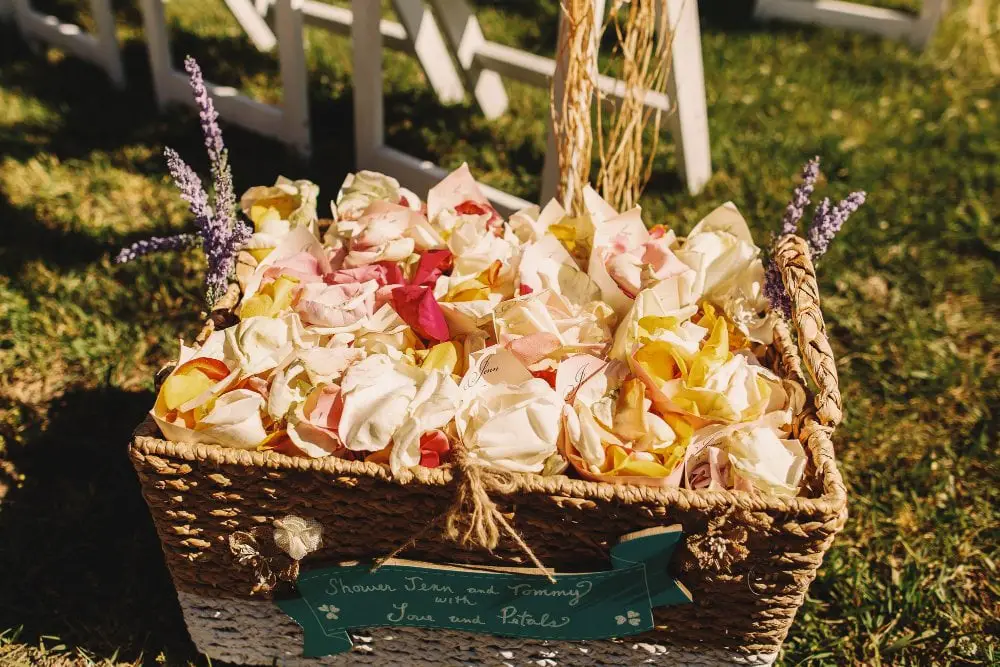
<point>377,394</point>
<point>718,248</point>
<point>432,407</point>
<point>512,427</point>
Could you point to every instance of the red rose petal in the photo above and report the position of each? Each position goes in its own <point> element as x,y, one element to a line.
<point>433,264</point>
<point>433,444</point>
<point>393,274</point>
<point>430,459</point>
<point>417,307</point>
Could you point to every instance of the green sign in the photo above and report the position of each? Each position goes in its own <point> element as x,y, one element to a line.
<point>512,602</point>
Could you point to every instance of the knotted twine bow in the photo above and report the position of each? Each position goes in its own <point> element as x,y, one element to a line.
<point>473,520</point>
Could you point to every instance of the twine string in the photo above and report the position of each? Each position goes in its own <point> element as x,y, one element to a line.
<point>473,518</point>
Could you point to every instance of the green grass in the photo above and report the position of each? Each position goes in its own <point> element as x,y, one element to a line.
<point>910,293</point>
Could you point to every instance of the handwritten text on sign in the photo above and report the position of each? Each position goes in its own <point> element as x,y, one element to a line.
<point>592,605</point>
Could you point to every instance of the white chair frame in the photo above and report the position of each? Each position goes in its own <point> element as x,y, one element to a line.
<point>371,152</point>
<point>448,43</point>
<point>287,122</point>
<point>482,62</point>
<point>917,30</point>
<point>100,48</point>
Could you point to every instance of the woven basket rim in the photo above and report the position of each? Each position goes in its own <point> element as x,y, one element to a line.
<point>833,500</point>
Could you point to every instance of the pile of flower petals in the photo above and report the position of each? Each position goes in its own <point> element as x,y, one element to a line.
<point>543,343</point>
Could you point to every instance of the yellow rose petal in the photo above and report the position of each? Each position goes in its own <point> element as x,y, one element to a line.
<point>658,360</point>
<point>442,357</point>
<point>181,387</point>
<point>653,323</point>
<point>257,305</point>
<point>259,253</point>
<point>630,416</point>
<point>283,290</point>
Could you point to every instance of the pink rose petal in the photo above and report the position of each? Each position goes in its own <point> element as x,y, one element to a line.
<point>534,347</point>
<point>327,305</point>
<point>303,266</point>
<point>323,407</point>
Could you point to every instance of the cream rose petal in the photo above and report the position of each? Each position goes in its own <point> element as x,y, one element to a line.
<point>327,364</point>
<point>770,464</point>
<point>512,427</point>
<point>377,393</point>
<point>258,344</point>
<point>289,386</point>
<point>530,224</point>
<point>546,264</point>
<point>742,299</point>
<point>235,420</point>
<point>385,333</point>
<point>588,436</point>
<point>360,189</point>
<point>718,248</point>
<point>475,248</point>
<point>432,407</point>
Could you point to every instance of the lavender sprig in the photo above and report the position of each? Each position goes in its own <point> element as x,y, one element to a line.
<point>828,221</point>
<point>221,232</point>
<point>800,197</point>
<point>156,244</point>
<point>218,156</point>
<point>192,192</point>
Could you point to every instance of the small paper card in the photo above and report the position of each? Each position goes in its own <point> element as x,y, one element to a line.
<point>509,602</point>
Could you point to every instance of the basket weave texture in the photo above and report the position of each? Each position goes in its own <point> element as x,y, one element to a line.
<point>747,559</point>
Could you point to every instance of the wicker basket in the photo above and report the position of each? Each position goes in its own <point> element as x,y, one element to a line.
<point>747,559</point>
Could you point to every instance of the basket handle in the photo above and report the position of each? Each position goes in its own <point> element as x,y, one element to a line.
<point>799,276</point>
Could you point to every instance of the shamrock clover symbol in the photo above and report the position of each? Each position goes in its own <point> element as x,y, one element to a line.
<point>632,618</point>
<point>331,611</point>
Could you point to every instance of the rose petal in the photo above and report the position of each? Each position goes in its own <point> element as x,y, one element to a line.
<point>417,307</point>
<point>433,444</point>
<point>432,265</point>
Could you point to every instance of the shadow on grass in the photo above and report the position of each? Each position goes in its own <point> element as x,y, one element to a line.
<point>91,115</point>
<point>79,558</point>
<point>24,237</point>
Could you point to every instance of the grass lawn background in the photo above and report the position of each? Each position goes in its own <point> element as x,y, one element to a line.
<point>910,293</point>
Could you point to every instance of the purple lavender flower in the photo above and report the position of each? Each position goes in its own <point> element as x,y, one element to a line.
<point>156,244</point>
<point>828,221</point>
<point>222,233</point>
<point>192,192</point>
<point>218,156</point>
<point>800,197</point>
<point>774,290</point>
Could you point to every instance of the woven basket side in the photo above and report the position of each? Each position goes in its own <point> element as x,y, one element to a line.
<point>747,567</point>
